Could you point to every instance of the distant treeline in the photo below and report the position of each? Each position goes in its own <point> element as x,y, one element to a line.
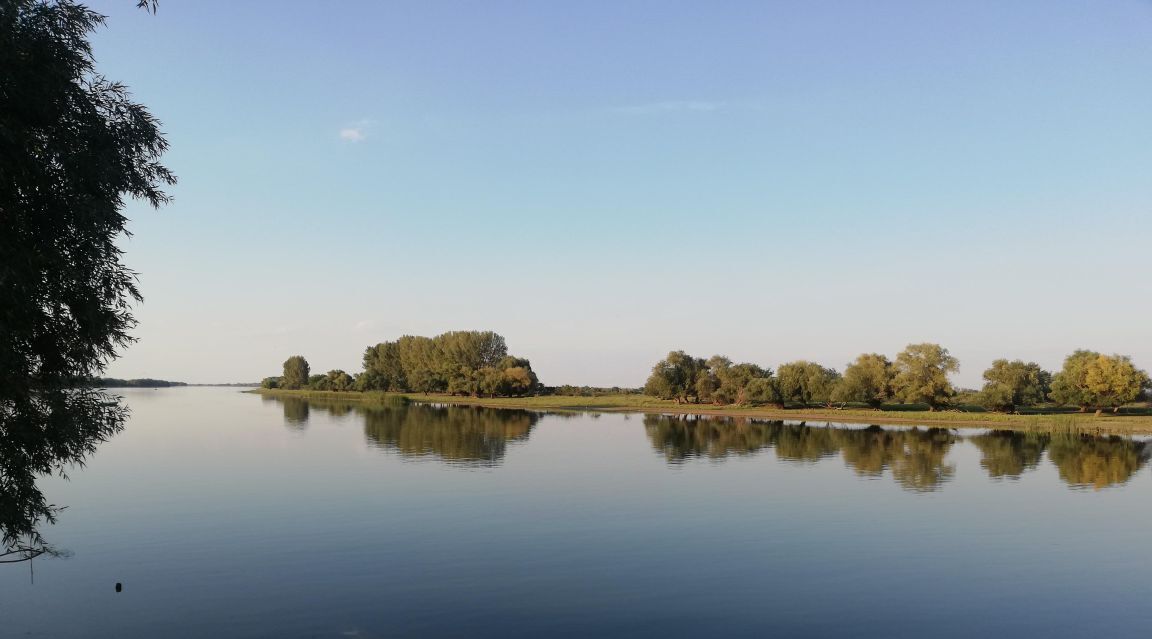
<point>919,375</point>
<point>474,363</point>
<point>146,382</point>
<point>568,390</point>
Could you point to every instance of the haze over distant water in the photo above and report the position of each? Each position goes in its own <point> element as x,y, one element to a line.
<point>603,182</point>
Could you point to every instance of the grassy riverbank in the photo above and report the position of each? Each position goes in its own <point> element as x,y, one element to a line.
<point>1129,422</point>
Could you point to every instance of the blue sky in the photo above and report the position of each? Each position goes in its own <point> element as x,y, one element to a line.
<point>602,182</point>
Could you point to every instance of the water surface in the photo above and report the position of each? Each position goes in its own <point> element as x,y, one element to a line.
<point>228,514</point>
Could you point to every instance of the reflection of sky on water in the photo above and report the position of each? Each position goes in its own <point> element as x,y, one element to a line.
<point>223,518</point>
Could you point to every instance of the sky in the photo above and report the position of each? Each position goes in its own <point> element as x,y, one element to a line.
<point>603,182</point>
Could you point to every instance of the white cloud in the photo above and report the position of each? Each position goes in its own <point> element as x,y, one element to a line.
<point>351,134</point>
<point>357,131</point>
<point>670,106</point>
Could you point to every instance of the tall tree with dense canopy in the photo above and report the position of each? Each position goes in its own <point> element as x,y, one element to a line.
<point>73,146</point>
<point>734,380</point>
<point>418,356</point>
<point>383,368</point>
<point>1114,381</point>
<point>333,380</point>
<point>1090,379</point>
<point>473,363</point>
<point>1070,386</point>
<point>674,377</point>
<point>761,390</point>
<point>295,374</point>
<point>806,383</point>
<point>867,380</point>
<point>922,375</point>
<point>1008,385</point>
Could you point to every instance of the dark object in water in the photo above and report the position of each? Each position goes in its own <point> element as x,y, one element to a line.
<point>119,587</point>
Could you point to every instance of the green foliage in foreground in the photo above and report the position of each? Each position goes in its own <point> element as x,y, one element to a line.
<point>74,147</point>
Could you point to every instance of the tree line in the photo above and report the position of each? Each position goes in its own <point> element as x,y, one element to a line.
<point>474,363</point>
<point>144,382</point>
<point>919,375</point>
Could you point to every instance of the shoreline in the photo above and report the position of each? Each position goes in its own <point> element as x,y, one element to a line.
<point>1118,424</point>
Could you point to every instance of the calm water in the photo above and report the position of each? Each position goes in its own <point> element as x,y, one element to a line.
<point>225,514</point>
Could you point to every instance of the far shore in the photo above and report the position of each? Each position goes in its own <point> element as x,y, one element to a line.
<point>1106,423</point>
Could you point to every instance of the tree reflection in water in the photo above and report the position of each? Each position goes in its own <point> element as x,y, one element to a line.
<point>1009,453</point>
<point>47,434</point>
<point>460,435</point>
<point>1082,460</point>
<point>682,437</point>
<point>1098,462</point>
<point>296,412</point>
<point>465,435</point>
<point>915,458</point>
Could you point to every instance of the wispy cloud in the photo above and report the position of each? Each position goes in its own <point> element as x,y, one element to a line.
<point>671,106</point>
<point>351,134</point>
<point>357,131</point>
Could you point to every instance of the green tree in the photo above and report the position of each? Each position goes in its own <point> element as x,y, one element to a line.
<point>519,378</point>
<point>922,375</point>
<point>674,377</point>
<point>383,369</point>
<point>519,381</point>
<point>706,385</point>
<point>459,353</point>
<point>419,359</point>
<point>806,383</point>
<point>474,363</point>
<point>1008,385</point>
<point>732,381</point>
<point>73,147</point>
<point>1101,381</point>
<point>270,382</point>
<point>1069,386</point>
<point>762,390</point>
<point>867,380</point>
<point>295,374</point>
<point>333,380</point>
<point>1112,381</point>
